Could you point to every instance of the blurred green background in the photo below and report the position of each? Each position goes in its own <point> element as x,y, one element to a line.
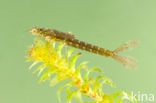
<point>106,23</point>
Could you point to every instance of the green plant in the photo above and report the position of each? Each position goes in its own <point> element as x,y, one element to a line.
<point>64,66</point>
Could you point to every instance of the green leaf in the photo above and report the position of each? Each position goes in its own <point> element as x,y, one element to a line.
<point>82,65</point>
<point>79,96</point>
<point>68,90</point>
<point>62,87</point>
<point>56,79</point>
<point>73,61</point>
<point>40,69</point>
<point>106,81</point>
<point>51,47</point>
<point>119,100</point>
<point>70,95</point>
<point>46,75</point>
<point>59,92</point>
<point>33,64</point>
<point>97,85</point>
<point>95,69</point>
<point>69,53</point>
<point>59,49</point>
<point>48,45</point>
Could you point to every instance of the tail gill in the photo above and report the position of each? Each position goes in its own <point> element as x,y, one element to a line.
<point>126,61</point>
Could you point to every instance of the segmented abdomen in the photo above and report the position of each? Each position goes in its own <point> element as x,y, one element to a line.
<point>88,47</point>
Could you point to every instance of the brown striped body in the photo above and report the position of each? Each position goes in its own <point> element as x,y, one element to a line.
<point>70,40</point>
<point>88,47</point>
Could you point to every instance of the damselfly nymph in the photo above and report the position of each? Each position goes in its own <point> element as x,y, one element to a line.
<point>70,40</point>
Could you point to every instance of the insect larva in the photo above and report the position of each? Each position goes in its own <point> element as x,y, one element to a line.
<point>70,40</point>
